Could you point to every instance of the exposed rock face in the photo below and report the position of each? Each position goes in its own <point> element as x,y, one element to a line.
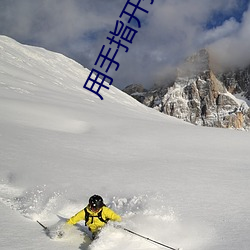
<point>237,81</point>
<point>137,91</point>
<point>199,97</point>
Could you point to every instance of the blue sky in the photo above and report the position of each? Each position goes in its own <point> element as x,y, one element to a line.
<point>219,17</point>
<point>171,31</point>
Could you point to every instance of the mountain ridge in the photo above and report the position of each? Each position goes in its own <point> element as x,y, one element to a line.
<point>201,95</point>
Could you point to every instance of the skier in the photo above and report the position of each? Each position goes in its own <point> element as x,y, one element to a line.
<point>95,214</point>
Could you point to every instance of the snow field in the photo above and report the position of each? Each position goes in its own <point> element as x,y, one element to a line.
<point>181,185</point>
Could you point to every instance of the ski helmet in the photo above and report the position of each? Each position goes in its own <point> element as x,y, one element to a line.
<point>95,202</point>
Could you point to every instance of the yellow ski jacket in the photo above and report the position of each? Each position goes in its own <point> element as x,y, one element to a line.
<point>94,223</point>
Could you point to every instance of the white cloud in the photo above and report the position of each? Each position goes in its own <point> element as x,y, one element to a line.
<point>233,50</point>
<point>228,28</point>
<point>171,31</point>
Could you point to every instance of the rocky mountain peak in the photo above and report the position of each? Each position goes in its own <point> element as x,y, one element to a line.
<point>202,97</point>
<point>196,64</point>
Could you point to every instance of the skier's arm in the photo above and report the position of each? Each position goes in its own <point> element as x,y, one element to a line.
<point>110,214</point>
<point>77,217</point>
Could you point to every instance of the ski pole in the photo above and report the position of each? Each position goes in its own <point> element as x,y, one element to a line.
<point>146,238</point>
<point>45,228</point>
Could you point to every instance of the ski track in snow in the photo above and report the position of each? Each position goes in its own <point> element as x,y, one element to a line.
<point>145,214</point>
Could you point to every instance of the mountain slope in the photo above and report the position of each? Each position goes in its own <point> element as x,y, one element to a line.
<point>179,184</point>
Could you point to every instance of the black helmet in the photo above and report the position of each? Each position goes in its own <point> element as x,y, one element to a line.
<point>96,202</point>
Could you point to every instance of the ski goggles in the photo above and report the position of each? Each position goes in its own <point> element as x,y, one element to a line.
<point>94,208</point>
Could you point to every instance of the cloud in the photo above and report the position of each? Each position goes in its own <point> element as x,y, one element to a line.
<point>233,49</point>
<point>171,31</point>
<point>228,28</point>
<point>175,30</point>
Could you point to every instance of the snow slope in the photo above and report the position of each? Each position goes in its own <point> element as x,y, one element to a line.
<point>176,183</point>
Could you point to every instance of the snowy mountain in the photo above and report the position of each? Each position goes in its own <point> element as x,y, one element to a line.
<point>201,95</point>
<point>182,185</point>
<point>237,81</point>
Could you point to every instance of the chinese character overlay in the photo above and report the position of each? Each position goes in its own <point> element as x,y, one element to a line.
<point>132,15</point>
<point>127,35</point>
<point>94,83</point>
<point>105,57</point>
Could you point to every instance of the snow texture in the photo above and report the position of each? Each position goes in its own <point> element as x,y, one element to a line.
<point>179,184</point>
